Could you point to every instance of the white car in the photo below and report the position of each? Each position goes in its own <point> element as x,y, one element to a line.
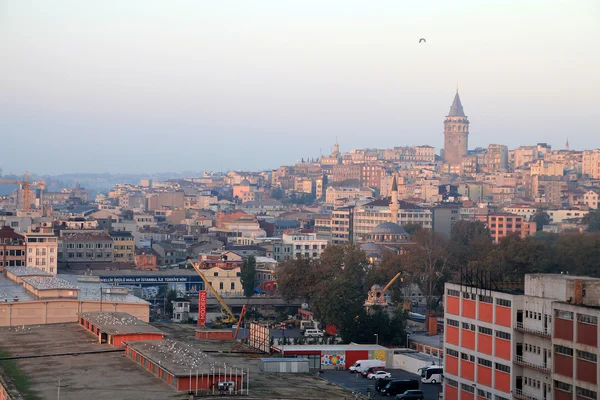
<point>379,375</point>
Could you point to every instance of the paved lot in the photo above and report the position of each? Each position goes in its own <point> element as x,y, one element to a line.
<point>350,381</point>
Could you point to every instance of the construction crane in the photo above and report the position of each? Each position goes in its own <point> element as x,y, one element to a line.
<point>228,317</point>
<point>382,291</point>
<point>26,187</point>
<point>237,328</point>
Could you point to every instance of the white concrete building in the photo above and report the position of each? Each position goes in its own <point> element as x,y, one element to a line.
<point>42,248</point>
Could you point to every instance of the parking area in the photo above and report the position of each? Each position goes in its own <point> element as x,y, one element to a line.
<point>352,381</point>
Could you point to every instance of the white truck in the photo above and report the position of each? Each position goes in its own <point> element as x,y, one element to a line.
<point>361,365</point>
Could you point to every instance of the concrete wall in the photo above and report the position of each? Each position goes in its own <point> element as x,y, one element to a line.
<point>408,363</point>
<point>59,311</point>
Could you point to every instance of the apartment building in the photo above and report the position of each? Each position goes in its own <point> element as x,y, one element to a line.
<point>42,248</point>
<point>86,248</point>
<point>342,222</point>
<point>12,248</point>
<point>376,212</point>
<point>123,246</point>
<point>299,244</point>
<point>505,224</point>
<point>333,193</point>
<point>591,164</point>
<point>535,343</point>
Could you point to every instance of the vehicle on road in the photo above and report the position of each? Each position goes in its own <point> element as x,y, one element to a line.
<point>432,374</point>
<point>399,387</point>
<point>381,383</point>
<point>379,375</point>
<point>411,395</point>
<point>313,333</point>
<point>361,365</point>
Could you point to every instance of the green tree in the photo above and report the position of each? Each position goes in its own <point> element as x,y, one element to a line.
<point>363,326</point>
<point>540,218</point>
<point>469,243</point>
<point>171,296</point>
<point>411,228</point>
<point>248,276</point>
<point>514,257</point>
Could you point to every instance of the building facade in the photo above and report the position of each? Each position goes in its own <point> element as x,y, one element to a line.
<point>505,224</point>
<point>42,249</point>
<point>12,248</point>
<point>123,246</point>
<point>536,343</point>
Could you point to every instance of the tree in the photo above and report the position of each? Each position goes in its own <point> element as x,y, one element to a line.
<point>592,219</point>
<point>277,193</point>
<point>171,296</point>
<point>412,228</point>
<point>248,276</point>
<point>514,257</point>
<point>540,218</point>
<point>362,327</point>
<point>469,242</point>
<point>427,261</point>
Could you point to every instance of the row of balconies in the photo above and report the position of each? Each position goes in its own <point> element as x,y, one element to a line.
<point>543,332</point>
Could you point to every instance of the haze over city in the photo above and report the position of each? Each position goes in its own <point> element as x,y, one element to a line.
<point>146,86</point>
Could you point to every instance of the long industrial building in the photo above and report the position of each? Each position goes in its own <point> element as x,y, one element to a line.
<point>537,343</point>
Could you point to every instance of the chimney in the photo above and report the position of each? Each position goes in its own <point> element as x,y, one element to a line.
<point>578,292</point>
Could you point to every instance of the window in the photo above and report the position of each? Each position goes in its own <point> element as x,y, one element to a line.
<point>496,397</point>
<point>586,393</point>
<point>455,293</point>
<point>232,285</point>
<point>584,355</point>
<point>563,386</point>
<point>503,335</point>
<point>484,362</point>
<point>215,274</point>
<point>567,351</point>
<point>467,388</point>
<point>503,368</point>
<point>484,394</point>
<point>467,357</point>
<point>469,327</point>
<point>452,322</point>
<point>451,382</point>
<point>486,299</point>
<point>503,302</point>
<point>587,319</point>
<point>452,353</point>
<point>563,314</point>
<point>470,296</point>
<point>485,331</point>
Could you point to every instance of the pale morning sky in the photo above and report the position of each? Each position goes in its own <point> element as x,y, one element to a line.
<point>145,86</point>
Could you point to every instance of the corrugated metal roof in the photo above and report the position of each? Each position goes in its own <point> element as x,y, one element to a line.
<point>119,323</point>
<point>331,347</point>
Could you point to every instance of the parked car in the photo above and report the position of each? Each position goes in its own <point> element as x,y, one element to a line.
<point>379,375</point>
<point>412,395</point>
<point>360,365</point>
<point>369,370</point>
<point>399,387</point>
<point>381,383</point>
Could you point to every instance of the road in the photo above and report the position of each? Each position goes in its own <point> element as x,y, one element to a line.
<point>350,381</point>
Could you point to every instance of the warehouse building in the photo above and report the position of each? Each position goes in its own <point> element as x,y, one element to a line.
<point>115,328</point>
<point>338,356</point>
<point>183,366</point>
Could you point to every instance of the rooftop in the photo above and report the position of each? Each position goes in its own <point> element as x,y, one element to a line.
<point>119,323</point>
<point>87,237</point>
<point>10,290</point>
<point>178,358</point>
<point>27,271</point>
<point>332,347</point>
<point>49,283</point>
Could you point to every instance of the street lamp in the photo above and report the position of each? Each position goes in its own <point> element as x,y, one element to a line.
<point>376,338</point>
<point>407,336</point>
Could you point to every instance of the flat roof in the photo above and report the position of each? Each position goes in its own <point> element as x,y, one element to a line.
<point>96,291</point>
<point>49,283</point>
<point>436,341</point>
<point>176,357</point>
<point>27,271</point>
<point>332,347</point>
<point>119,323</point>
<point>9,290</point>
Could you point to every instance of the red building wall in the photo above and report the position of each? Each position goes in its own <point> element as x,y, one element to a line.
<point>563,365</point>
<point>503,316</point>
<point>451,393</point>
<point>453,305</point>
<point>587,334</point>
<point>353,356</point>
<point>215,335</point>
<point>486,312</point>
<point>484,375</point>
<point>468,308</point>
<point>563,329</point>
<point>503,348</point>
<point>452,335</point>
<point>118,340</point>
<point>485,344</point>
<point>587,371</point>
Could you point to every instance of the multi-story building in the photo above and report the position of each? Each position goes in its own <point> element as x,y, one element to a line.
<point>368,216</point>
<point>334,193</point>
<point>42,248</point>
<point>524,155</point>
<point>223,275</point>
<point>540,343</point>
<point>591,198</point>
<point>505,224</point>
<point>371,175</point>
<point>299,244</point>
<point>591,164</point>
<point>87,248</point>
<point>349,172</point>
<point>123,246</point>
<point>496,158</point>
<point>342,222</point>
<point>323,226</point>
<point>12,248</point>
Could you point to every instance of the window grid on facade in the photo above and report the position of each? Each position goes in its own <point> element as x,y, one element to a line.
<point>584,355</point>
<point>567,351</point>
<point>503,368</point>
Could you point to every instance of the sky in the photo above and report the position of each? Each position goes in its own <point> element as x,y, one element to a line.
<point>200,85</point>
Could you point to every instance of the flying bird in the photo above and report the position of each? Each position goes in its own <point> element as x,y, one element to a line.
<point>422,40</point>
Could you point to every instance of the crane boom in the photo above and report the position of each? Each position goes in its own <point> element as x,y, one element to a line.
<point>237,328</point>
<point>214,293</point>
<point>391,282</point>
<point>26,187</point>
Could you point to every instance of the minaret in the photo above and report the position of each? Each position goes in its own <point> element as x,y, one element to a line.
<point>336,147</point>
<point>456,133</point>
<point>394,203</point>
<point>567,145</point>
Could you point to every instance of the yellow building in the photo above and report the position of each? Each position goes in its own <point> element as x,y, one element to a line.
<point>224,276</point>
<point>123,246</point>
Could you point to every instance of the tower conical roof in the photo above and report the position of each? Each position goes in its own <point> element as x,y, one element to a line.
<point>394,185</point>
<point>456,109</point>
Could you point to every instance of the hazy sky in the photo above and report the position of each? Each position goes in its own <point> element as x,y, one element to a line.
<point>144,86</point>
